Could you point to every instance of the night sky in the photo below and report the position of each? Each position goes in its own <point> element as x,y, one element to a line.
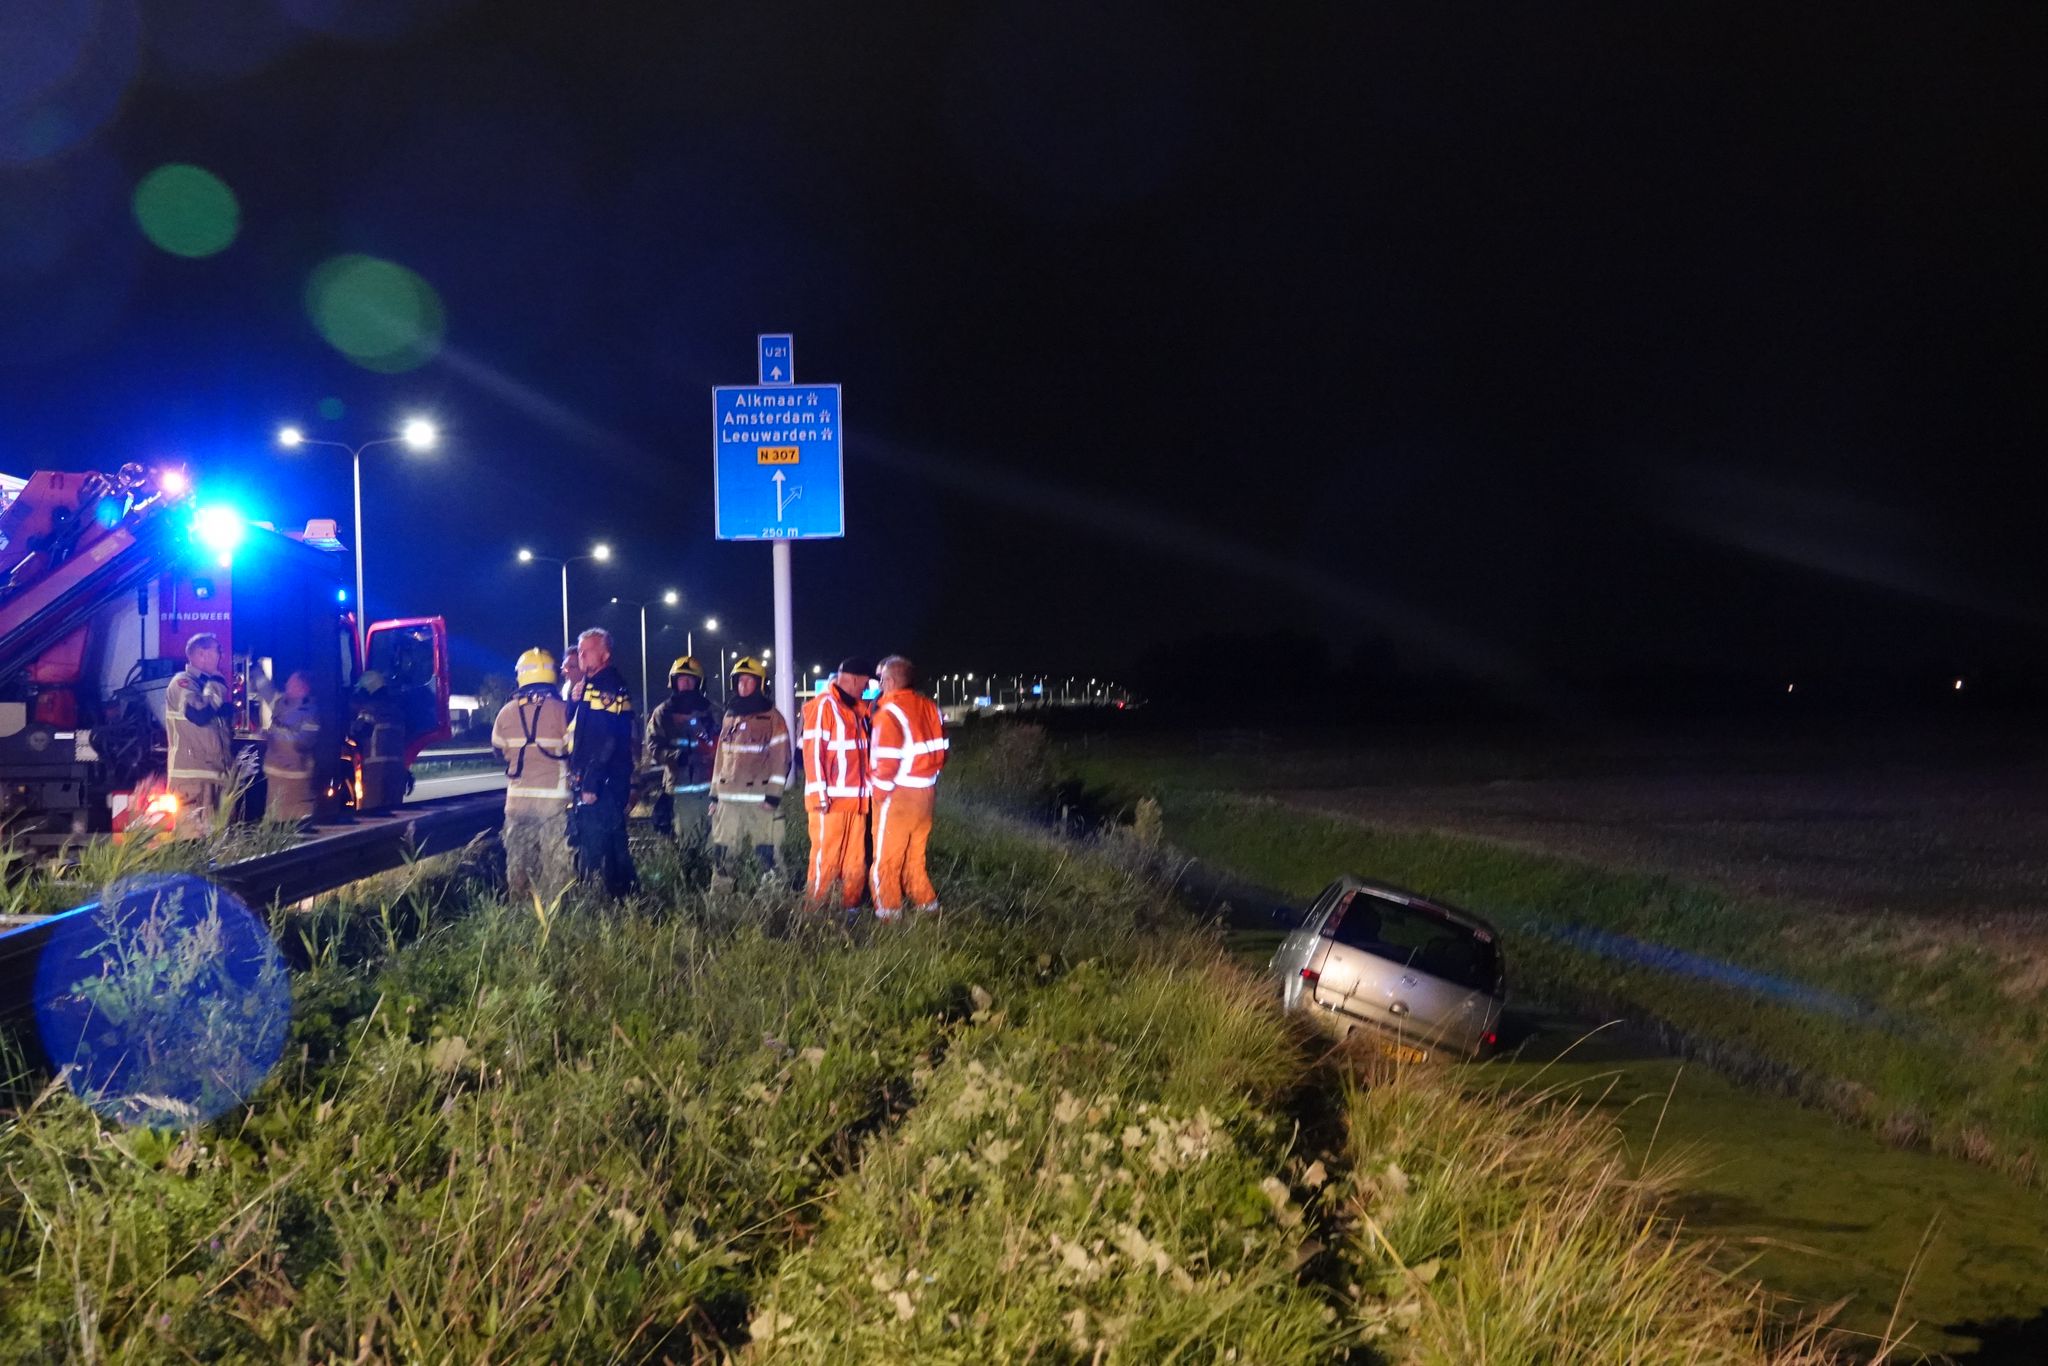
<point>1539,343</point>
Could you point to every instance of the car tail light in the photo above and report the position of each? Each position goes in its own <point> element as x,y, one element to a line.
<point>1311,976</point>
<point>1491,1038</point>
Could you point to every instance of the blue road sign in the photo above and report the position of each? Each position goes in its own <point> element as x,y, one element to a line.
<point>778,358</point>
<point>776,473</point>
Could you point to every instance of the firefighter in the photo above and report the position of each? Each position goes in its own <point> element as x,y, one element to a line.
<point>603,745</point>
<point>681,734</point>
<point>288,758</point>
<point>749,774</point>
<point>908,750</point>
<point>379,732</point>
<point>835,744</point>
<point>531,734</point>
<point>200,723</point>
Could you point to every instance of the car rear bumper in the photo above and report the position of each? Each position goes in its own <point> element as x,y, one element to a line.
<point>1402,1044</point>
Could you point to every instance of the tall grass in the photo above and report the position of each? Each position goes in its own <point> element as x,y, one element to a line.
<point>1089,1182</point>
<point>1057,1122</point>
<point>1512,1227</point>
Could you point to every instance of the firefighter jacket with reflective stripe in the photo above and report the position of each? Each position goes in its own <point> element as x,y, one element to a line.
<point>910,741</point>
<point>379,728</point>
<point>200,724</point>
<point>835,743</point>
<point>604,738</point>
<point>531,734</point>
<point>681,734</point>
<point>753,757</point>
<point>294,730</point>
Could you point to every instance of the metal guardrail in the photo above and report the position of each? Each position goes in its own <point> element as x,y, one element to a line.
<point>322,863</point>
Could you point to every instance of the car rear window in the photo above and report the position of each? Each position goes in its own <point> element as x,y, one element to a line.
<point>1417,939</point>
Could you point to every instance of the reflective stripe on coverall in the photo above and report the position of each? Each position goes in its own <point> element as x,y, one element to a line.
<point>196,720</point>
<point>909,750</point>
<point>379,731</point>
<point>288,758</point>
<point>835,736</point>
<point>531,734</point>
<point>748,776</point>
<point>682,737</point>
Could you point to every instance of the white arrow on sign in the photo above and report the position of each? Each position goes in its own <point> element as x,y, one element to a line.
<point>775,373</point>
<point>784,497</point>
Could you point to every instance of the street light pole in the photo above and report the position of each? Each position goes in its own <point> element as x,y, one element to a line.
<point>355,460</point>
<point>417,435</point>
<point>599,552</point>
<point>690,644</point>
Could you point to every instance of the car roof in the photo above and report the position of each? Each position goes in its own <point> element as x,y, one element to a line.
<point>1351,882</point>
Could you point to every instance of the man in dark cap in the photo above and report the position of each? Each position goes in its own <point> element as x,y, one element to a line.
<point>836,790</point>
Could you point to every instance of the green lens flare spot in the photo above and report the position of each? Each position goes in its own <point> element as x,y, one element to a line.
<point>331,409</point>
<point>376,312</point>
<point>187,211</point>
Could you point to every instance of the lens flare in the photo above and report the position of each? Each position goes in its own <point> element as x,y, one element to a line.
<point>377,313</point>
<point>165,1004</point>
<point>187,211</point>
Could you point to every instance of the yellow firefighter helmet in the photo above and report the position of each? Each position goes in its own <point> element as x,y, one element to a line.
<point>685,664</point>
<point>747,664</point>
<point>535,666</point>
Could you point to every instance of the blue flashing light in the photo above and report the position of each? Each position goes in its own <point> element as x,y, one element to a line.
<point>109,511</point>
<point>1038,689</point>
<point>220,530</point>
<point>341,595</point>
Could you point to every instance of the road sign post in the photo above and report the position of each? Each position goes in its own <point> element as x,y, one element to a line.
<point>776,477</point>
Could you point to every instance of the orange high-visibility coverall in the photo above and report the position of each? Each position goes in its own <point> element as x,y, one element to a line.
<point>908,751</point>
<point>835,745</point>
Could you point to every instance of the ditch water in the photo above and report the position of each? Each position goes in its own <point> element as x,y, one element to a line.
<point>1820,1211</point>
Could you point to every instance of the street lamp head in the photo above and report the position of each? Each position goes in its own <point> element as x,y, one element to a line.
<point>420,434</point>
<point>525,556</point>
<point>600,552</point>
<point>615,602</point>
<point>711,623</point>
<point>291,438</point>
<point>770,654</point>
<point>671,597</point>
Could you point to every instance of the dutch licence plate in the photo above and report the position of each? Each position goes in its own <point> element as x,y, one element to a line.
<point>1401,1052</point>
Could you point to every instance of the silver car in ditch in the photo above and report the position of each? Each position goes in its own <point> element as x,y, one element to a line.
<point>1424,978</point>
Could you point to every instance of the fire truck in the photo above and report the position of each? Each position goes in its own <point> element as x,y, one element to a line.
<point>105,577</point>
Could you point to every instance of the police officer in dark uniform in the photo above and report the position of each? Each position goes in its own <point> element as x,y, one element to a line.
<point>604,743</point>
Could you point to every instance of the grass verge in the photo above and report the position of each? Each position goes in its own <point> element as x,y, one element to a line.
<point>1059,1123</point>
